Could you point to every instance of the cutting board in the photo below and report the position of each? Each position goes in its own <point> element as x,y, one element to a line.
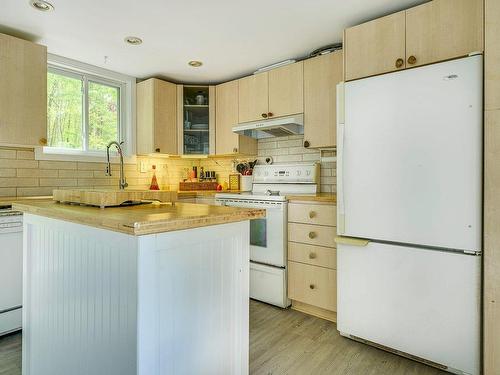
<point>111,197</point>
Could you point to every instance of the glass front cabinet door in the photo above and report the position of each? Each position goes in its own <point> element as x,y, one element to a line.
<point>196,119</point>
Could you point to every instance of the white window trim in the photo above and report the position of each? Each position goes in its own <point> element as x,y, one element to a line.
<point>127,120</point>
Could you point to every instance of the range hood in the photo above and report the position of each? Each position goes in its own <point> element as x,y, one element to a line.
<point>276,127</point>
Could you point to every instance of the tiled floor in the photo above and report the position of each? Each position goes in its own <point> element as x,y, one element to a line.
<point>285,342</point>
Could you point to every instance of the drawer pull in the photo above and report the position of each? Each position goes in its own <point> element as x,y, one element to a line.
<point>311,286</point>
<point>312,235</point>
<point>312,214</point>
<point>312,256</point>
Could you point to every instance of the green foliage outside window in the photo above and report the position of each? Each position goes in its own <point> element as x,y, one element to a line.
<point>66,113</point>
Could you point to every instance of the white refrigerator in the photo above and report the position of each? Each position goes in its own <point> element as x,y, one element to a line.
<point>409,192</point>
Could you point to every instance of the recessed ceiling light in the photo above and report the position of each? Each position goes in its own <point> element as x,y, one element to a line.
<point>41,5</point>
<point>195,64</point>
<point>134,40</point>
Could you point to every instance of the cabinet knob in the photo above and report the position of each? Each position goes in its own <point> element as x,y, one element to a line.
<point>270,114</point>
<point>157,150</point>
<point>311,286</point>
<point>312,214</point>
<point>412,60</point>
<point>306,144</point>
<point>312,255</point>
<point>42,141</point>
<point>235,149</point>
<point>399,63</point>
<point>312,235</point>
<point>264,115</point>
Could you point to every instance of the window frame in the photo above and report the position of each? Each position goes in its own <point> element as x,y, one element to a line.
<point>126,127</point>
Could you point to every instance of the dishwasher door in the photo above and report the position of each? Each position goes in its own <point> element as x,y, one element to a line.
<point>11,274</point>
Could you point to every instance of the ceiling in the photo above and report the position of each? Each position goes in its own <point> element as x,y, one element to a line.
<point>231,37</point>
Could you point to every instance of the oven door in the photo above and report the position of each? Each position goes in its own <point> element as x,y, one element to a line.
<point>268,234</point>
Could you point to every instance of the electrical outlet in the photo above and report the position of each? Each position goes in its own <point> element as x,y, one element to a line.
<point>144,167</point>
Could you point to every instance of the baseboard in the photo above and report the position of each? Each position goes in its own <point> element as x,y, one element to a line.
<point>315,311</point>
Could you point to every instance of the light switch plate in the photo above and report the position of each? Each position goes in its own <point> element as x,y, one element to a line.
<point>144,167</point>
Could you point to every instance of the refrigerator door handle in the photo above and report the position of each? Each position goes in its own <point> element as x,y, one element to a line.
<point>351,241</point>
<point>340,150</point>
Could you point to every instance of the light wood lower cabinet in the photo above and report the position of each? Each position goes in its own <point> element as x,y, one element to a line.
<point>312,258</point>
<point>315,286</point>
<point>317,214</point>
<point>23,92</point>
<point>312,234</point>
<point>313,255</point>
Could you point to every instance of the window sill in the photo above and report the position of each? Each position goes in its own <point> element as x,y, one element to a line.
<point>60,154</point>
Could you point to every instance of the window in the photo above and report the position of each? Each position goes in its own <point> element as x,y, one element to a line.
<point>87,107</point>
<point>83,113</point>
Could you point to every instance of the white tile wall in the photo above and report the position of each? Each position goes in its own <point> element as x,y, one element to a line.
<point>290,149</point>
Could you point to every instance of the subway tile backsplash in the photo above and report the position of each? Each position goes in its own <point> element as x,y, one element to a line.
<point>21,175</point>
<point>290,149</point>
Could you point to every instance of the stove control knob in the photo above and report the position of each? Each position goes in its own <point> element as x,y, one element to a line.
<point>308,173</point>
<point>299,173</point>
<point>266,173</point>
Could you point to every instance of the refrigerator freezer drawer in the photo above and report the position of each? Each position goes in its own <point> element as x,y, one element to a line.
<point>422,302</point>
<point>268,284</point>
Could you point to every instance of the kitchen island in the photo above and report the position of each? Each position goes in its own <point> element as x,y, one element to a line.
<point>144,290</point>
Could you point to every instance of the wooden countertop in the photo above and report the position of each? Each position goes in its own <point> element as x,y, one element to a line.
<point>10,200</point>
<point>142,219</point>
<point>318,197</point>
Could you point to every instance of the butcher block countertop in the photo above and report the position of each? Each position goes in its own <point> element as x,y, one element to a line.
<point>142,219</point>
<point>318,197</point>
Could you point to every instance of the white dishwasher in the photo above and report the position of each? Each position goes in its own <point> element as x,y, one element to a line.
<point>11,269</point>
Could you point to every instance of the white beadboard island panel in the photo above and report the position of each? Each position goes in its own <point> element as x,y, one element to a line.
<point>101,302</point>
<point>194,301</point>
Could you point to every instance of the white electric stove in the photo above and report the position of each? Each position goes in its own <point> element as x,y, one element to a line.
<point>268,236</point>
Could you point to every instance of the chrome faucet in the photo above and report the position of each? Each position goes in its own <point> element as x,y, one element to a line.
<point>123,182</point>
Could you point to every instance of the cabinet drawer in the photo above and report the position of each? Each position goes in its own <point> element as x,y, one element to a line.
<point>313,255</point>
<point>313,285</point>
<point>312,234</point>
<point>320,214</point>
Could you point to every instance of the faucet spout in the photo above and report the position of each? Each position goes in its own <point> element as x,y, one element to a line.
<point>123,181</point>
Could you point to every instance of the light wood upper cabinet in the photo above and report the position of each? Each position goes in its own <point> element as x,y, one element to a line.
<point>226,116</point>
<point>23,92</point>
<point>375,47</point>
<point>253,97</point>
<point>443,29</point>
<point>321,76</point>
<point>276,93</point>
<point>435,31</point>
<point>286,90</point>
<point>156,117</point>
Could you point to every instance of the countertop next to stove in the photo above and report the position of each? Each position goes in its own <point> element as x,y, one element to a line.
<point>318,197</point>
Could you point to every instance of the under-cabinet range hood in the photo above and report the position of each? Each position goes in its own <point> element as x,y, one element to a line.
<point>276,127</point>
